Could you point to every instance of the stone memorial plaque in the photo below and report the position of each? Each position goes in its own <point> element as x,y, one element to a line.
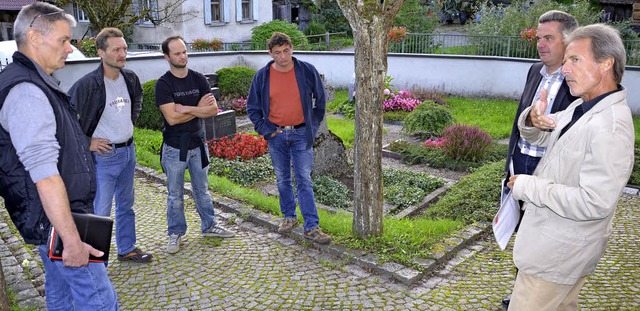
<point>221,125</point>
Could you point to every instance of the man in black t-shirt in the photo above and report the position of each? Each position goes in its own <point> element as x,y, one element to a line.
<point>184,98</point>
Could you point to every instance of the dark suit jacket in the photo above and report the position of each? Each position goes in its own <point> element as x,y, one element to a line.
<point>562,101</point>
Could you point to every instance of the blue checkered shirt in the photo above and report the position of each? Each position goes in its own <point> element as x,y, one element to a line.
<point>550,82</point>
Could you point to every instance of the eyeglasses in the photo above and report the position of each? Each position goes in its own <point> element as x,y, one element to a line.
<point>41,15</point>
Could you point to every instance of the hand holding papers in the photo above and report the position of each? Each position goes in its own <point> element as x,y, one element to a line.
<point>505,221</point>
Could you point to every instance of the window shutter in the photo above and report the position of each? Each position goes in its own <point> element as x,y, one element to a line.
<point>207,12</point>
<point>226,7</point>
<point>238,10</point>
<point>254,7</point>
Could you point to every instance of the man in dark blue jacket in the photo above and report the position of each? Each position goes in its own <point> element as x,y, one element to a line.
<point>109,101</point>
<point>288,117</point>
<point>45,167</point>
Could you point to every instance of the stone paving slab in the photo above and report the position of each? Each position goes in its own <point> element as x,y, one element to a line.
<point>262,270</point>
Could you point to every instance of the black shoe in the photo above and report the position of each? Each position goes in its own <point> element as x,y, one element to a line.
<point>505,303</point>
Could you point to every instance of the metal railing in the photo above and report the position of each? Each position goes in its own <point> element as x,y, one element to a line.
<point>324,42</point>
<point>484,46</point>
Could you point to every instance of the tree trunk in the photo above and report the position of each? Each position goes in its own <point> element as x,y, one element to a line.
<point>370,21</point>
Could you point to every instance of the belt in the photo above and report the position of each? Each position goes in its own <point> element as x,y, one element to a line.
<point>290,127</point>
<point>124,144</point>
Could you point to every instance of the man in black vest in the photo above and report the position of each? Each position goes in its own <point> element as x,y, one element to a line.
<point>545,75</point>
<point>46,170</point>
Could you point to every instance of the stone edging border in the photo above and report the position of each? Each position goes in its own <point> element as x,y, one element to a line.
<point>398,272</point>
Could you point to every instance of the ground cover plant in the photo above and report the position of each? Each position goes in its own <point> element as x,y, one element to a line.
<point>402,241</point>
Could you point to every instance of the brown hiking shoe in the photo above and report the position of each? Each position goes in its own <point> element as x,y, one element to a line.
<point>287,225</point>
<point>317,236</point>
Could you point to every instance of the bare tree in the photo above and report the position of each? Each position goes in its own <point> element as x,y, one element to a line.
<point>370,21</point>
<point>125,13</point>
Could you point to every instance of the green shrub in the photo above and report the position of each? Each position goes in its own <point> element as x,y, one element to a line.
<point>427,120</point>
<point>150,116</point>
<point>331,192</point>
<point>415,16</point>
<point>88,47</point>
<point>474,198</point>
<point>464,142</point>
<point>315,28</point>
<point>244,173</point>
<point>263,32</point>
<point>347,108</point>
<point>235,81</point>
<point>511,20</point>
<point>406,188</point>
<point>331,17</point>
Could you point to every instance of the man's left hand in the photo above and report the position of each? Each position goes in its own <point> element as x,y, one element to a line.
<point>512,181</point>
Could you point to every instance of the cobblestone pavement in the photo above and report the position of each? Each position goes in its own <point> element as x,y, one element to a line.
<point>261,270</point>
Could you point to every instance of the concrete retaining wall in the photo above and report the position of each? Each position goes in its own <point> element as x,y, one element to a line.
<point>471,76</point>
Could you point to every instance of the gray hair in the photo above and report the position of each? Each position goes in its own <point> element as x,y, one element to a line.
<point>40,16</point>
<point>567,22</point>
<point>605,43</point>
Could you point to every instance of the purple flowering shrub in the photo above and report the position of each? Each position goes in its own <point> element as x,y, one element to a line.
<point>402,100</point>
<point>239,105</point>
<point>464,142</point>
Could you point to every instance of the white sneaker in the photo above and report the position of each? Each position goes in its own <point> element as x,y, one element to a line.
<point>218,232</point>
<point>174,243</point>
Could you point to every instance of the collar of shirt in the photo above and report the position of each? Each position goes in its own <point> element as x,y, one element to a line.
<point>544,72</point>
<point>589,104</point>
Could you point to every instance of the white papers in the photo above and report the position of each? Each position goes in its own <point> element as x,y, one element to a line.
<point>505,221</point>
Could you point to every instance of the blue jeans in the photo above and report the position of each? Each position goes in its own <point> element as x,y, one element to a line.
<point>114,175</point>
<point>174,168</point>
<point>286,149</point>
<point>85,288</point>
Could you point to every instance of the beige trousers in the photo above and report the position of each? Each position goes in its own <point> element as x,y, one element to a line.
<point>534,294</point>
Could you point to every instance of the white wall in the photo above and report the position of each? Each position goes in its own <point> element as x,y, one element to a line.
<point>456,75</point>
<point>195,28</point>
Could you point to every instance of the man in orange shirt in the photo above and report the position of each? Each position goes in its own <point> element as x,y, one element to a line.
<point>288,117</point>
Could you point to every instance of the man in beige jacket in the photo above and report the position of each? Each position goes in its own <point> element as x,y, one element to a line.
<point>571,197</point>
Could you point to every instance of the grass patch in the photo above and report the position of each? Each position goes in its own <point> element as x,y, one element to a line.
<point>345,129</point>
<point>339,97</point>
<point>491,115</point>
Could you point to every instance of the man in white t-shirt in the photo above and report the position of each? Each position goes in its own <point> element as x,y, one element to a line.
<point>108,101</point>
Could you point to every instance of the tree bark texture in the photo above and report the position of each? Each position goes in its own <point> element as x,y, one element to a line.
<point>370,21</point>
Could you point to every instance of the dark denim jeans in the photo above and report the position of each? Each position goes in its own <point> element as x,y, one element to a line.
<point>287,149</point>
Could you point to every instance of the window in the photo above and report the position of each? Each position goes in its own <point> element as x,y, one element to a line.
<point>151,5</point>
<point>246,10</point>
<point>78,13</point>
<point>216,12</point>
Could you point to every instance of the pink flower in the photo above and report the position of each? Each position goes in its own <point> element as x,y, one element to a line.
<point>386,92</point>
